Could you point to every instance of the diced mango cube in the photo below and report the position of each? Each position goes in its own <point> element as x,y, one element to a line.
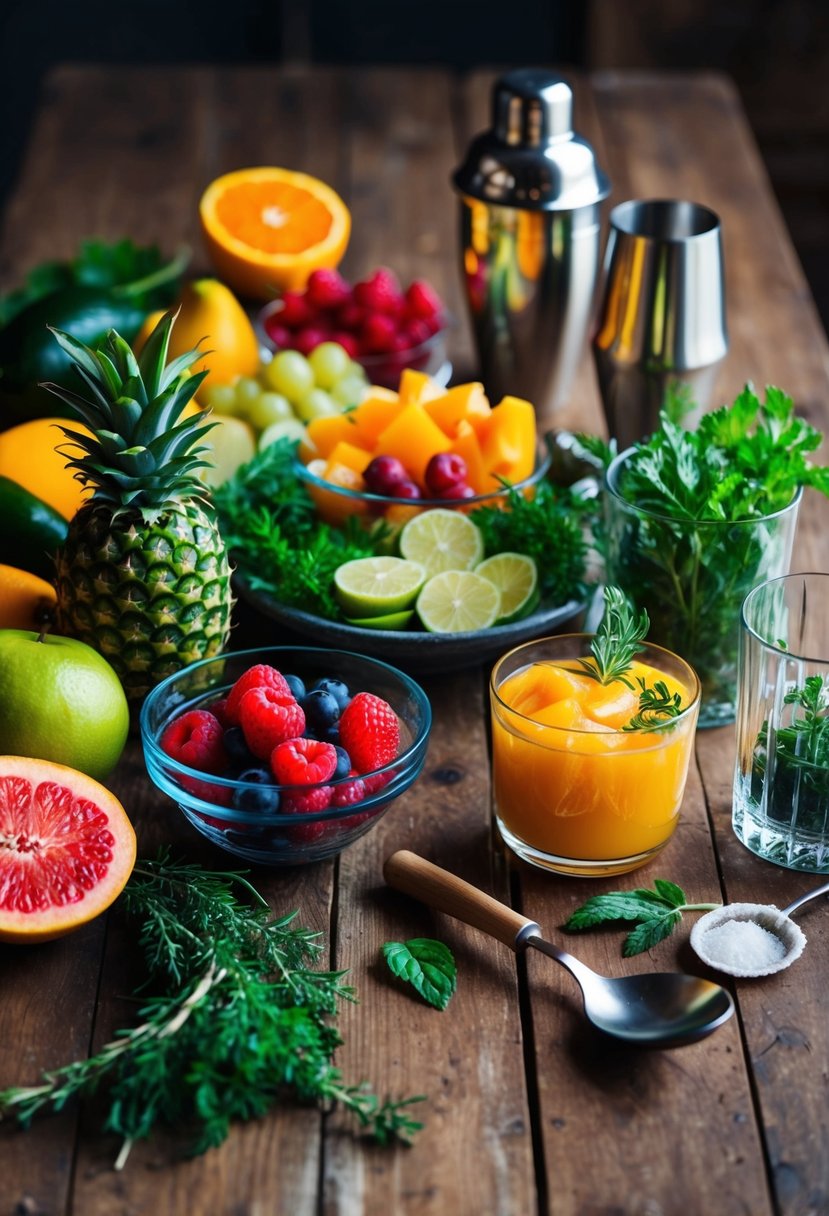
<point>327,431</point>
<point>350,455</point>
<point>510,442</point>
<point>464,402</point>
<point>417,387</point>
<point>414,439</point>
<point>374,414</point>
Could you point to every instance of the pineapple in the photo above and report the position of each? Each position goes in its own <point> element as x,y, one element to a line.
<point>143,576</point>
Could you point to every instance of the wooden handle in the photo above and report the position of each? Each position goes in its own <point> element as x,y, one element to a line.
<point>445,892</point>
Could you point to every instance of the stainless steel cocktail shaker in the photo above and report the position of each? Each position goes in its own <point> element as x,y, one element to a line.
<point>530,193</point>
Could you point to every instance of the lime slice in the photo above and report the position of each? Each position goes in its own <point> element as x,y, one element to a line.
<point>377,586</point>
<point>286,428</point>
<point>516,577</point>
<point>442,540</point>
<point>457,601</point>
<point>394,620</point>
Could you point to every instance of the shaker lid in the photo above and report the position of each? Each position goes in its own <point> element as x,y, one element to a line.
<point>531,158</point>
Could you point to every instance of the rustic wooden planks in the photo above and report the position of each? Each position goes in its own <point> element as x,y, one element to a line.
<point>734,1124</point>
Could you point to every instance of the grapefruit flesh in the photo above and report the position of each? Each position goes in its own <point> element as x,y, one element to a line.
<point>67,849</point>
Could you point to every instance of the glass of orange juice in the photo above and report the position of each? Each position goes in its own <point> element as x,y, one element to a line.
<point>576,792</point>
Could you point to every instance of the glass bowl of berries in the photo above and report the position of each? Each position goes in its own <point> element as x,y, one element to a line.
<point>285,755</point>
<point>383,327</point>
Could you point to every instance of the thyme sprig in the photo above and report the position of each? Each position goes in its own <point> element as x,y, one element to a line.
<point>246,1021</point>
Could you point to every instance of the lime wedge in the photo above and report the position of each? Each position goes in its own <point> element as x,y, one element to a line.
<point>377,586</point>
<point>442,540</point>
<point>457,601</point>
<point>394,620</point>
<point>516,577</point>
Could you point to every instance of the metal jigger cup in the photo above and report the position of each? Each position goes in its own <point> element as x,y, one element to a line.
<point>661,328</point>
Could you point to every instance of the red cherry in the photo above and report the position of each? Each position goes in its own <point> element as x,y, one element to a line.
<point>406,489</point>
<point>383,473</point>
<point>444,470</point>
<point>459,490</point>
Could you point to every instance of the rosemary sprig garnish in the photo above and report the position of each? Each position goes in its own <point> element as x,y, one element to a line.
<point>617,641</point>
<point>245,1022</point>
<point>656,705</point>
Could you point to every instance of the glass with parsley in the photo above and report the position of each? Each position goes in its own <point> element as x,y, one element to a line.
<point>591,739</point>
<point>695,519</point>
<point>781,783</point>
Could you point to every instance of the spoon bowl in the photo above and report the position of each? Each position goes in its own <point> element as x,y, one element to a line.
<point>661,1009</point>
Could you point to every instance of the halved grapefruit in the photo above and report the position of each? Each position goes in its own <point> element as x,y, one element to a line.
<point>67,849</point>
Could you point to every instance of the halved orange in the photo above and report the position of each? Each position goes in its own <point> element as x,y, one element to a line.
<point>266,229</point>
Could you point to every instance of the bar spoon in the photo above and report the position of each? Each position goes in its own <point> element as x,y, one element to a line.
<point>661,1009</point>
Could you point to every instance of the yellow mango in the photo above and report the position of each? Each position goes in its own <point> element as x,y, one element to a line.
<point>414,439</point>
<point>417,387</point>
<point>510,443</point>
<point>464,402</point>
<point>374,414</point>
<point>351,456</point>
<point>325,432</point>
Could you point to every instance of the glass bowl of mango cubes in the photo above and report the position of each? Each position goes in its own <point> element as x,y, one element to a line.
<point>399,453</point>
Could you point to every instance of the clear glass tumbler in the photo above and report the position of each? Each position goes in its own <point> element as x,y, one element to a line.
<point>692,577</point>
<point>781,783</point>
<point>576,790</point>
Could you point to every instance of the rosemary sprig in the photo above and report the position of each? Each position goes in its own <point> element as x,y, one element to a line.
<point>245,1022</point>
<point>617,641</point>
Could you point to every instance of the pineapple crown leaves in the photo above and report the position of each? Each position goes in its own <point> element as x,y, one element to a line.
<point>143,453</point>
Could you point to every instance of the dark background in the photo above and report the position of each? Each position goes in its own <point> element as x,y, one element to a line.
<point>777,52</point>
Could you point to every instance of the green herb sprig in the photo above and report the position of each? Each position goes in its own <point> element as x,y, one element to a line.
<point>801,772</point>
<point>427,965</point>
<point>245,1021</point>
<point>617,640</point>
<point>655,913</point>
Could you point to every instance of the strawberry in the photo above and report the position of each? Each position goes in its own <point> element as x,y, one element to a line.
<point>262,675</point>
<point>268,718</point>
<point>303,761</point>
<point>377,334</point>
<point>194,738</point>
<point>369,732</point>
<point>423,301</point>
<point>280,335</point>
<point>347,341</point>
<point>381,293</point>
<point>327,290</point>
<point>351,317</point>
<point>416,333</point>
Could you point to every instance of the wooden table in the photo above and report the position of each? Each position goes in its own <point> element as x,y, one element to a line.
<point>527,1109</point>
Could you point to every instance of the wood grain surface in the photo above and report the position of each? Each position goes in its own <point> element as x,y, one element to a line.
<point>526,1109</point>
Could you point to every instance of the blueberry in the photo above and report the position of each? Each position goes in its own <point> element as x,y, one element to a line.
<point>296,685</point>
<point>338,689</point>
<point>321,709</point>
<point>261,800</point>
<point>236,747</point>
<point>344,765</point>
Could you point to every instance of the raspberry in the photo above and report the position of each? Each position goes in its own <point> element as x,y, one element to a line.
<point>378,334</point>
<point>303,762</point>
<point>327,290</point>
<point>369,731</point>
<point>268,718</point>
<point>347,341</point>
<point>218,708</point>
<point>294,312</point>
<point>381,293</point>
<point>208,791</point>
<point>259,676</point>
<point>195,739</point>
<point>349,792</point>
<point>309,338</point>
<point>310,802</point>
<point>423,301</point>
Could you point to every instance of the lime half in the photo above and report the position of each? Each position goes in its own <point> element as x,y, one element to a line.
<point>377,586</point>
<point>394,620</point>
<point>516,577</point>
<point>442,540</point>
<point>458,601</point>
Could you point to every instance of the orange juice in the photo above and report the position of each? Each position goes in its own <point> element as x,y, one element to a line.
<point>574,791</point>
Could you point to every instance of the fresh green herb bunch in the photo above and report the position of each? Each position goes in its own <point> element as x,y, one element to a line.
<point>691,524</point>
<point>244,1022</point>
<point>655,913</point>
<point>546,527</point>
<point>278,541</point>
<point>801,772</point>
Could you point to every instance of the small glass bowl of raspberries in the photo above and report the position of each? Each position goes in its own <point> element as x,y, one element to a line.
<point>381,325</point>
<point>285,755</point>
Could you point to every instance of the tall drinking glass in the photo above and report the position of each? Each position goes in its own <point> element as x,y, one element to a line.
<point>781,782</point>
<point>692,577</point>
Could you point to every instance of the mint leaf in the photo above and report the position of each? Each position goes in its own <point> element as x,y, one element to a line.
<point>651,931</point>
<point>425,964</point>
<point>670,892</point>
<point>655,913</point>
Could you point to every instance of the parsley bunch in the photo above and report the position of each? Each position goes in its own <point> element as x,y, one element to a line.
<point>681,547</point>
<point>242,1022</point>
<point>801,769</point>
